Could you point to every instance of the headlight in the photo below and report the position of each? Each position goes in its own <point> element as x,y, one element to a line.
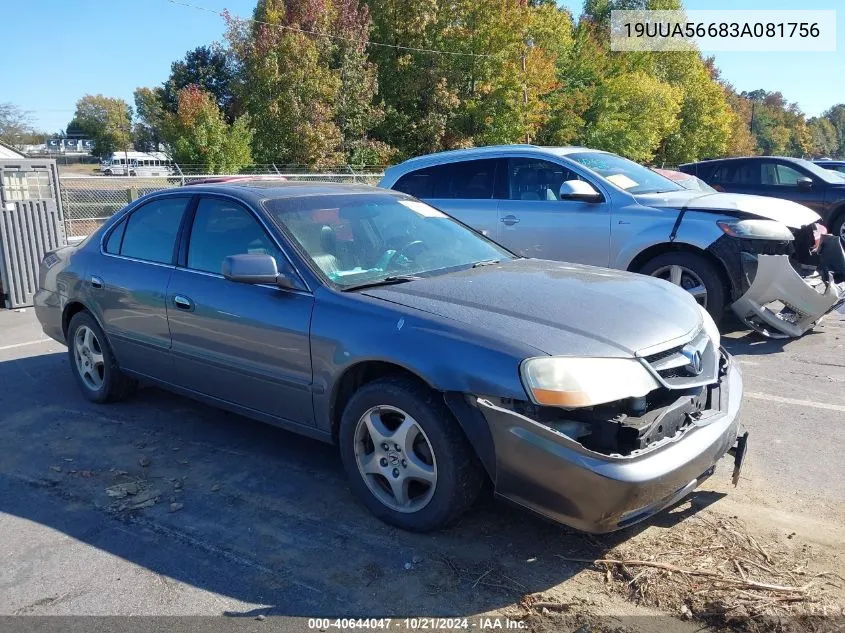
<point>710,327</point>
<point>756,229</point>
<point>557,381</point>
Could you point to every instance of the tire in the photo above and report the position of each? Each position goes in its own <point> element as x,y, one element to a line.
<point>96,372</point>
<point>694,265</point>
<point>837,227</point>
<point>458,475</point>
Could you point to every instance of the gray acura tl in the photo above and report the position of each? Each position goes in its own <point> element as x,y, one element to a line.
<point>435,359</point>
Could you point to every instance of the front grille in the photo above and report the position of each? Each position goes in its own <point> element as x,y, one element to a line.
<point>676,367</point>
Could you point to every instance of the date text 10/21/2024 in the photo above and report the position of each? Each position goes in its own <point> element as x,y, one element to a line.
<point>415,624</point>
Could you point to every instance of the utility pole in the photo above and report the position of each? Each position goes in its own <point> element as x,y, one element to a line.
<point>751,124</point>
<point>529,43</point>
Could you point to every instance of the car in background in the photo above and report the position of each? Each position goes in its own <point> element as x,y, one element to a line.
<point>593,207</point>
<point>792,179</point>
<point>831,165</point>
<point>433,357</point>
<point>685,180</point>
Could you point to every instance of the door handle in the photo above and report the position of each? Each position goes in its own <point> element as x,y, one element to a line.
<point>96,282</point>
<point>510,220</point>
<point>182,302</point>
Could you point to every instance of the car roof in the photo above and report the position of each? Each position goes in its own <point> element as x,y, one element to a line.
<point>263,188</point>
<point>488,151</point>
<point>728,159</point>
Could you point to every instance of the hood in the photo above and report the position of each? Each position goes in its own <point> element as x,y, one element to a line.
<point>556,307</point>
<point>790,213</point>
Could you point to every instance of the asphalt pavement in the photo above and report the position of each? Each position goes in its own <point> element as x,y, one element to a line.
<point>230,516</point>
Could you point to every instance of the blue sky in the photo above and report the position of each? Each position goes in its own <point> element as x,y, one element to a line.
<point>58,50</point>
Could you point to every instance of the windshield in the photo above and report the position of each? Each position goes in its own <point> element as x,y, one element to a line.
<point>624,173</point>
<point>825,174</point>
<point>357,239</point>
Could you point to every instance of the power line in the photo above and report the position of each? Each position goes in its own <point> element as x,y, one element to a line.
<point>414,49</point>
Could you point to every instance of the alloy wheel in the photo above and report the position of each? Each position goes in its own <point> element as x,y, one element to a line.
<point>88,354</point>
<point>395,459</point>
<point>686,279</point>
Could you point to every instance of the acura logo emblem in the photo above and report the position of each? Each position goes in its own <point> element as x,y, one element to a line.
<point>694,366</point>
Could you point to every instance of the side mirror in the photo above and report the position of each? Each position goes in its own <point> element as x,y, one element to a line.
<point>579,190</point>
<point>254,269</point>
<point>804,183</point>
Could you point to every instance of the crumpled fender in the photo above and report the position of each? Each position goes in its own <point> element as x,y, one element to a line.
<point>777,280</point>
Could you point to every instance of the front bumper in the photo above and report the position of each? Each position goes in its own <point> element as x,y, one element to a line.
<point>548,472</point>
<point>805,300</point>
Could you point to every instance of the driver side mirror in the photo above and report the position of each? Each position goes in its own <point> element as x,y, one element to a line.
<point>580,191</point>
<point>255,269</point>
<point>805,183</point>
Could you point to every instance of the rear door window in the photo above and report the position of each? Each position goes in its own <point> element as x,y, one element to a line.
<point>431,182</point>
<point>151,230</point>
<point>115,238</point>
<point>735,173</point>
<point>466,180</point>
<point>474,179</point>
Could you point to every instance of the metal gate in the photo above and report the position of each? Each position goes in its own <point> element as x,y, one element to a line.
<point>31,224</point>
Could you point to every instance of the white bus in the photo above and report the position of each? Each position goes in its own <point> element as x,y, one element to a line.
<point>138,163</point>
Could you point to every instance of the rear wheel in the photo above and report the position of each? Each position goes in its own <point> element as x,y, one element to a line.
<point>93,363</point>
<point>694,274</point>
<point>406,458</point>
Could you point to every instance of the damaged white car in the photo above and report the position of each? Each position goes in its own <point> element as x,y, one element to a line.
<point>770,260</point>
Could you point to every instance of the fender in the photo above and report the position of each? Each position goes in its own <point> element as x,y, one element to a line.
<point>691,228</point>
<point>430,352</point>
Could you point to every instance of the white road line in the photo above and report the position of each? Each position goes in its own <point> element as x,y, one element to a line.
<point>802,403</point>
<point>16,345</point>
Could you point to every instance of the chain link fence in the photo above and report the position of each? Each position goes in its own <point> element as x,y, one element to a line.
<point>88,201</point>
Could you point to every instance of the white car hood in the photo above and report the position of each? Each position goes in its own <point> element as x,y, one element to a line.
<point>790,213</point>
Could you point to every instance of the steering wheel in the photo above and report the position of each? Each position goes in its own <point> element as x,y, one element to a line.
<point>409,251</point>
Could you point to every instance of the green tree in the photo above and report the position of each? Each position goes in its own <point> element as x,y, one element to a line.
<point>481,92</point>
<point>311,99</point>
<point>210,68</point>
<point>741,141</point>
<point>198,135</point>
<point>632,114</point>
<point>148,131</point>
<point>420,102</point>
<point>836,116</point>
<point>823,137</point>
<point>706,119</point>
<point>503,85</point>
<point>107,121</point>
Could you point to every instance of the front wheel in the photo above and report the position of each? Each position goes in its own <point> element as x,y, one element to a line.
<point>406,457</point>
<point>837,227</point>
<point>694,274</point>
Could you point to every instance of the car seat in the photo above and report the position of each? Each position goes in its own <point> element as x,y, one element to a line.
<point>327,259</point>
<point>527,185</point>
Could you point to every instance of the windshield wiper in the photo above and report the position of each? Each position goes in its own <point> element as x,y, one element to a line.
<point>486,262</point>
<point>384,281</point>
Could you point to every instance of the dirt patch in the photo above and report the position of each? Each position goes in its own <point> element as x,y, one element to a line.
<point>714,569</point>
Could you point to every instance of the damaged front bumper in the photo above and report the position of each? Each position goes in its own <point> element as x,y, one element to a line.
<point>546,471</point>
<point>782,304</point>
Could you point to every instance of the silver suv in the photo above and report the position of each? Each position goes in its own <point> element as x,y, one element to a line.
<point>591,207</point>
